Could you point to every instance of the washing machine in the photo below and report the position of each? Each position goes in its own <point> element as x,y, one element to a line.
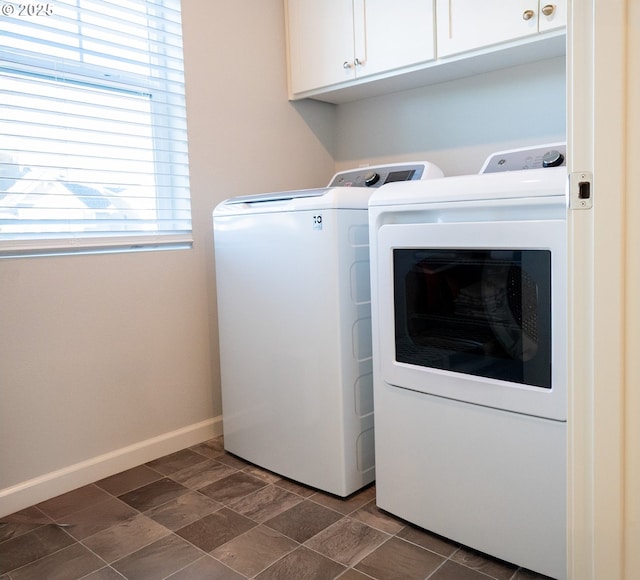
<point>294,319</point>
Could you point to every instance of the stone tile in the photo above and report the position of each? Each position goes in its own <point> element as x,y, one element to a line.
<point>61,506</point>
<point>212,448</point>
<point>399,560</point>
<point>254,550</point>
<point>153,494</point>
<point>158,560</point>
<point>295,487</point>
<point>72,562</point>
<point>215,529</point>
<point>233,487</point>
<point>203,474</point>
<point>31,546</point>
<point>118,541</point>
<point>373,516</point>
<point>352,574</point>
<point>524,574</point>
<point>303,521</point>
<point>176,461</point>
<point>265,503</point>
<point>232,461</point>
<point>493,567</point>
<point>106,573</point>
<point>29,516</point>
<point>428,540</point>
<point>260,473</point>
<point>453,571</point>
<point>98,517</point>
<point>183,510</point>
<point>302,563</point>
<point>21,522</point>
<point>206,568</point>
<point>347,541</point>
<point>346,505</point>
<point>129,480</point>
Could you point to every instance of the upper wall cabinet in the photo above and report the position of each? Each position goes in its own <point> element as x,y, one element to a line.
<point>343,50</point>
<point>334,41</point>
<point>464,25</point>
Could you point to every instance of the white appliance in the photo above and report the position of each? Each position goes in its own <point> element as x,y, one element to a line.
<point>470,355</point>
<point>294,315</point>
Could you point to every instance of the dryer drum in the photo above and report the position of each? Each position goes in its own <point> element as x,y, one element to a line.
<point>510,297</point>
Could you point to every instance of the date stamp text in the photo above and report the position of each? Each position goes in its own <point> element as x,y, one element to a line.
<point>25,10</point>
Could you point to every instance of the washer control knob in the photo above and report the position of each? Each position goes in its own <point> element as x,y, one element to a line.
<point>371,178</point>
<point>552,158</point>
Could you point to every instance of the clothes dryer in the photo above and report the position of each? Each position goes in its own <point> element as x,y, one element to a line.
<point>469,287</point>
<point>294,315</point>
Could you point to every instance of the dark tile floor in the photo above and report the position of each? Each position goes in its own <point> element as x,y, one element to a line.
<point>202,513</point>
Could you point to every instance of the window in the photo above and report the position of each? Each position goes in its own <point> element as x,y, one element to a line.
<point>93,137</point>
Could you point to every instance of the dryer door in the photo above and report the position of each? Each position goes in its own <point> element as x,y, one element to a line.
<point>475,312</point>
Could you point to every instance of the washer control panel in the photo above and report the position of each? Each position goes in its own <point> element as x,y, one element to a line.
<point>377,175</point>
<point>552,155</point>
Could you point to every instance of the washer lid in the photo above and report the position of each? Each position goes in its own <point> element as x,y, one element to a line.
<point>277,196</point>
<point>300,200</point>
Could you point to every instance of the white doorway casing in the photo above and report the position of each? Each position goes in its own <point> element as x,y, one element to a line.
<point>603,131</point>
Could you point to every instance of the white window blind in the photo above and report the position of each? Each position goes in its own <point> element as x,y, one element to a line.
<point>93,136</point>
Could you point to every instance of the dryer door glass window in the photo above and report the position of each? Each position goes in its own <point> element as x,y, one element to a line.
<point>478,312</point>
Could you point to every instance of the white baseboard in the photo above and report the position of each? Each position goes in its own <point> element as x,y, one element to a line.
<point>43,487</point>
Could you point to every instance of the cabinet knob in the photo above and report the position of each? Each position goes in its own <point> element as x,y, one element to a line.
<point>548,9</point>
<point>358,62</point>
<point>346,65</point>
<point>528,14</point>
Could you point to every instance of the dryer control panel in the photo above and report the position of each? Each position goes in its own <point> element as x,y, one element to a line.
<point>377,175</point>
<point>552,155</point>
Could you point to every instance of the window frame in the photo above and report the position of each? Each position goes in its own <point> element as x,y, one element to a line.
<point>166,154</point>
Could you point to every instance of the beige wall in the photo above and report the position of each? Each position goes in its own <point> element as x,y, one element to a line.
<point>110,360</point>
<point>107,361</point>
<point>632,291</point>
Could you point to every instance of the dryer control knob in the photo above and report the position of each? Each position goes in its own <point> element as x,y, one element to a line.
<point>552,158</point>
<point>371,178</point>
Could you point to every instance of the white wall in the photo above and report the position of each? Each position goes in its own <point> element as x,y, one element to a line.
<point>457,124</point>
<point>110,360</point>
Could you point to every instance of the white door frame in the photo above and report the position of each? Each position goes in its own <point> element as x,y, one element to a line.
<point>603,96</point>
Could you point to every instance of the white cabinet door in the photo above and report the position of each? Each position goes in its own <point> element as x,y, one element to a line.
<point>552,15</point>
<point>464,25</point>
<point>390,34</point>
<point>320,41</point>
<point>332,41</point>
